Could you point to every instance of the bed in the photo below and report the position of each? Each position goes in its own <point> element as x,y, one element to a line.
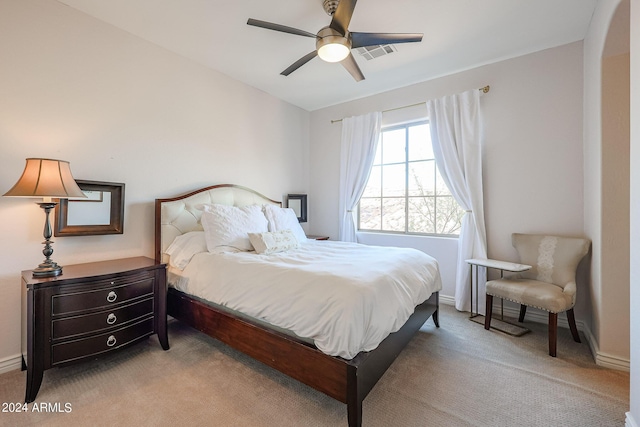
<point>347,379</point>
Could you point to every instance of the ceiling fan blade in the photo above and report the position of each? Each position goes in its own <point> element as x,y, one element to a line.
<point>374,39</point>
<point>278,27</point>
<point>342,16</point>
<point>299,63</point>
<point>352,67</point>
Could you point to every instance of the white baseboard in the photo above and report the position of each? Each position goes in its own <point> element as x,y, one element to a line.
<point>629,421</point>
<point>605,359</point>
<point>601,358</point>
<point>446,300</point>
<point>11,363</point>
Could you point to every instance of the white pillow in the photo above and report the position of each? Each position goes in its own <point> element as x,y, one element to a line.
<point>284,219</point>
<point>184,247</point>
<point>273,241</point>
<point>227,228</point>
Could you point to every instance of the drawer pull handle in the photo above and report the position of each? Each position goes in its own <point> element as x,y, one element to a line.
<point>112,296</point>
<point>111,318</point>
<point>111,341</point>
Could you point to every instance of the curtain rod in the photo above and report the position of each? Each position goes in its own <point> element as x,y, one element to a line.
<point>482,89</point>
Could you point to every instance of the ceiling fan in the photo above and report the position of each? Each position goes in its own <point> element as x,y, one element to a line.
<point>334,42</point>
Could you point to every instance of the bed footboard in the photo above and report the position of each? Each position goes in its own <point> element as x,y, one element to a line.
<point>368,368</point>
<point>348,381</point>
<point>290,356</point>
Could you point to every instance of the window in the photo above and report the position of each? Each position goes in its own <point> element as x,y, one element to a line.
<point>405,192</point>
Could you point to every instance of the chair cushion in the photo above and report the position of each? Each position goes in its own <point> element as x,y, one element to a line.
<point>533,293</point>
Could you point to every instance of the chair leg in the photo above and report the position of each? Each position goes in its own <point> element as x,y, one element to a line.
<point>523,311</point>
<point>572,325</point>
<point>553,333</point>
<point>488,310</point>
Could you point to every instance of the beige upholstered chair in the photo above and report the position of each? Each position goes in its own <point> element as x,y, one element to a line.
<point>549,285</point>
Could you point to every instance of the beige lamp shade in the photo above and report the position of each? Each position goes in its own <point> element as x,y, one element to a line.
<point>46,178</point>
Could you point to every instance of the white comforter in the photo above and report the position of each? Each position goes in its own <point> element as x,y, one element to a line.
<point>346,297</point>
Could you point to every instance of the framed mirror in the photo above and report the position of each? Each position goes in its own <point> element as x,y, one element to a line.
<point>102,212</point>
<point>298,202</point>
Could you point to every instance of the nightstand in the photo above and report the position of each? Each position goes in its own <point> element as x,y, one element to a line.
<point>89,310</point>
<point>318,237</point>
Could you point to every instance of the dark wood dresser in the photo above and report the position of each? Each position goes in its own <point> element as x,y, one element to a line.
<point>90,309</point>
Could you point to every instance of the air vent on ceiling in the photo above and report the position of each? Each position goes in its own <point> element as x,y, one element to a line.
<point>372,52</point>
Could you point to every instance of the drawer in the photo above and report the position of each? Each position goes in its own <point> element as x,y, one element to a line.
<point>97,298</point>
<point>76,349</point>
<point>96,322</point>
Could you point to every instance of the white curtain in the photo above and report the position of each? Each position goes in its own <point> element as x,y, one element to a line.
<point>456,134</point>
<point>359,143</point>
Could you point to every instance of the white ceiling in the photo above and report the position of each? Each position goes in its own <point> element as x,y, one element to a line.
<point>458,35</point>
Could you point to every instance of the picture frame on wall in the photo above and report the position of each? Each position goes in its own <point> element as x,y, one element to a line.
<point>76,217</point>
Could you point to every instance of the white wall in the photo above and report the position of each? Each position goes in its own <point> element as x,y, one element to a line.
<point>609,322</point>
<point>533,165</point>
<point>633,417</point>
<point>121,109</point>
<point>615,205</point>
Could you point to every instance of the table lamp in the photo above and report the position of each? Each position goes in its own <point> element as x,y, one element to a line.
<point>46,178</point>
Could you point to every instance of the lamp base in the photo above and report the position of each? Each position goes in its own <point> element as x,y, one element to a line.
<point>47,269</point>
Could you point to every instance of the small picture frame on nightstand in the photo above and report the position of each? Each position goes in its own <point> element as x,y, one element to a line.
<point>298,202</point>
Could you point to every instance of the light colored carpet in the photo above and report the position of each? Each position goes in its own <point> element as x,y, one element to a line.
<point>457,375</point>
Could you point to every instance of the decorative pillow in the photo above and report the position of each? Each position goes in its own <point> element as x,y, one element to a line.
<point>273,241</point>
<point>284,219</point>
<point>227,228</point>
<point>184,247</point>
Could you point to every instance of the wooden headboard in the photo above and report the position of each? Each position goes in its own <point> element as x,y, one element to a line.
<point>178,215</point>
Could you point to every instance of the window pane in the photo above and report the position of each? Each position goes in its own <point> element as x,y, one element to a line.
<point>420,147</point>
<point>393,215</point>
<point>422,178</point>
<point>370,214</point>
<point>421,215</point>
<point>405,191</point>
<point>374,185</point>
<point>393,180</point>
<point>393,146</point>
<point>449,215</point>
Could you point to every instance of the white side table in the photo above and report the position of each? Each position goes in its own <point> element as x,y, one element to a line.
<point>498,265</point>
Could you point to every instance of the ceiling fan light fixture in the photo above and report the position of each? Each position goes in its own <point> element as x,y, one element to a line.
<point>333,52</point>
<point>332,46</point>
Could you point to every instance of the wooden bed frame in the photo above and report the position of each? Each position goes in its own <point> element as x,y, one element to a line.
<point>348,381</point>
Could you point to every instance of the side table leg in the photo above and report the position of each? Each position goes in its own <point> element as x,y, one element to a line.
<point>486,272</point>
<point>471,289</point>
